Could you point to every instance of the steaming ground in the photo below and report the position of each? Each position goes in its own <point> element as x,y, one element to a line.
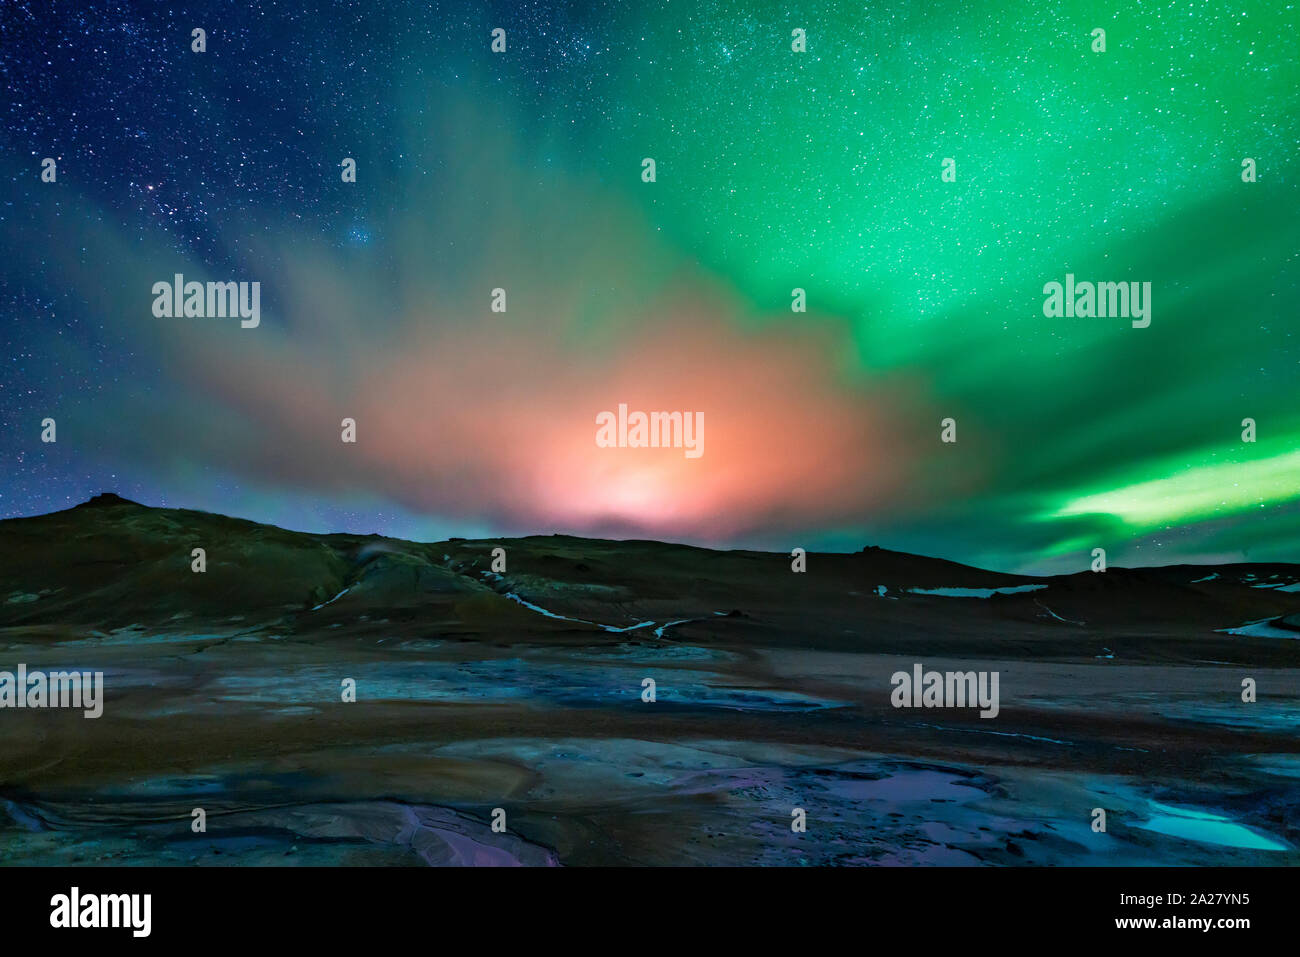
<point>522,691</point>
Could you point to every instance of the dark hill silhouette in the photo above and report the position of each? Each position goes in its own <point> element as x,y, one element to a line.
<point>112,563</point>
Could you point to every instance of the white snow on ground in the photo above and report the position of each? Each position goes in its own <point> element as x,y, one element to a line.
<point>542,611</point>
<point>975,592</point>
<point>1260,629</point>
<point>640,624</point>
<point>1291,587</point>
<point>616,629</point>
<point>583,621</point>
<point>332,600</point>
<point>1056,616</point>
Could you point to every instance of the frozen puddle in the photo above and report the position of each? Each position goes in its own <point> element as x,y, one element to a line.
<point>1001,734</point>
<point>573,684</point>
<point>1207,828</point>
<point>1264,628</point>
<point>905,786</point>
<point>975,592</point>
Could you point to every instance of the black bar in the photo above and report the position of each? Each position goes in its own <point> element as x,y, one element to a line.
<point>328,906</point>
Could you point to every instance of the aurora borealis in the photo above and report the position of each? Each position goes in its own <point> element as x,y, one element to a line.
<point>776,170</point>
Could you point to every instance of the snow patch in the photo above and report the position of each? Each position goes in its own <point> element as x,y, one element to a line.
<point>332,600</point>
<point>1263,628</point>
<point>975,592</point>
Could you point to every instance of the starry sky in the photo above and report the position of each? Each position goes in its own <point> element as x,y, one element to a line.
<point>775,170</point>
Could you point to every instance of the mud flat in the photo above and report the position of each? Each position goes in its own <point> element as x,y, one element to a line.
<point>526,692</point>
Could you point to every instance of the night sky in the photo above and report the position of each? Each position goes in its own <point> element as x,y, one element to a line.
<point>775,169</point>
